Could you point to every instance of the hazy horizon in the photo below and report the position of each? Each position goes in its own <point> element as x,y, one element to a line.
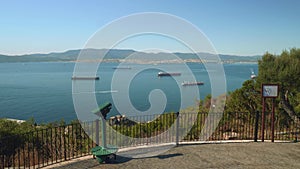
<point>149,52</point>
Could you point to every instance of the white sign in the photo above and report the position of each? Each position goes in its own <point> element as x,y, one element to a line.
<point>270,90</point>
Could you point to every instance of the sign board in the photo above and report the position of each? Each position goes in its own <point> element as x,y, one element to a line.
<point>270,90</point>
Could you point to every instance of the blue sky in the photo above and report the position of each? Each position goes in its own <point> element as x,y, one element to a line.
<point>233,26</point>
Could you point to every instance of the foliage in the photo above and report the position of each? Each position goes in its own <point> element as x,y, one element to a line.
<point>204,105</point>
<point>12,135</point>
<point>281,69</point>
<point>284,70</point>
<point>245,99</point>
<point>9,128</point>
<point>147,129</point>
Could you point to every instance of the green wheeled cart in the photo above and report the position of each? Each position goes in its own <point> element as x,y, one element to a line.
<point>104,154</point>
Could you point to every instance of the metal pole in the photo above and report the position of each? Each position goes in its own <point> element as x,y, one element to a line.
<point>177,128</point>
<point>97,132</point>
<point>104,132</point>
<point>263,121</point>
<point>272,118</point>
<point>296,133</point>
<point>256,126</point>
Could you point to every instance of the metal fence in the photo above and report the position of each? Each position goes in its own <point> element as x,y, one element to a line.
<point>44,147</point>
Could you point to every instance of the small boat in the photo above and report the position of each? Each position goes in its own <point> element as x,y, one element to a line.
<point>168,74</point>
<point>253,75</point>
<point>85,78</point>
<point>192,83</point>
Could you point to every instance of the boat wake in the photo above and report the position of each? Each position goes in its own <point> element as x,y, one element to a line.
<point>97,92</point>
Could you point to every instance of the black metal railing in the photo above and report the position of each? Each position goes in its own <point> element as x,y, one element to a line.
<point>46,146</point>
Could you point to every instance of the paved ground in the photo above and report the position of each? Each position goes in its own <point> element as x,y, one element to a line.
<point>227,155</point>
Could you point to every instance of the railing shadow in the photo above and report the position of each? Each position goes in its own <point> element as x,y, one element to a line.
<point>122,159</point>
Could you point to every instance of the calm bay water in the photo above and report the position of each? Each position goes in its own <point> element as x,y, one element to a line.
<point>44,90</point>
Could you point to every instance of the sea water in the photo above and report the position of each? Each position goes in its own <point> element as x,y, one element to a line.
<point>43,91</point>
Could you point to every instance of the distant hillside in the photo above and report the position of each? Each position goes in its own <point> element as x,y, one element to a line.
<point>117,54</point>
<point>225,58</point>
<point>235,58</point>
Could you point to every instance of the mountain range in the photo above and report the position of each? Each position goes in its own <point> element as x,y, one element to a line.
<point>119,54</point>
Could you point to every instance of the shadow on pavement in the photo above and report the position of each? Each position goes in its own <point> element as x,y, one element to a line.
<point>122,159</point>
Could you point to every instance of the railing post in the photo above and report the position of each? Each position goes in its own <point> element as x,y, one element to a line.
<point>263,121</point>
<point>19,157</point>
<point>2,161</point>
<point>43,151</point>
<point>65,144</point>
<point>28,149</point>
<point>296,131</point>
<point>256,126</point>
<point>33,148</point>
<point>177,129</point>
<point>97,132</point>
<point>104,132</point>
<point>272,119</point>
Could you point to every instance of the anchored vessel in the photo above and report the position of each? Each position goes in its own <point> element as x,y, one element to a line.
<point>127,67</point>
<point>168,74</point>
<point>191,83</point>
<point>85,78</point>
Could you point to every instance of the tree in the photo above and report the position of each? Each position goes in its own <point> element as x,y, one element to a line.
<point>246,99</point>
<point>284,70</point>
<point>12,138</point>
<point>204,105</point>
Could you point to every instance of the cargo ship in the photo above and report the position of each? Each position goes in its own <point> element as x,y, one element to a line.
<point>85,78</point>
<point>191,83</point>
<point>168,74</point>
